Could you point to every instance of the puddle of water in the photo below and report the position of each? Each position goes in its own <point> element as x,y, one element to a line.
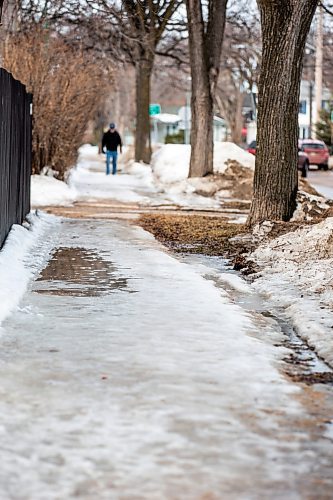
<point>78,272</point>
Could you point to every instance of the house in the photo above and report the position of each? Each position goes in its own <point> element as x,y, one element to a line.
<point>164,124</point>
<point>219,124</point>
<point>307,114</point>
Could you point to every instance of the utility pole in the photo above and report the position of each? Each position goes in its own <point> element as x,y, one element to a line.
<point>310,108</point>
<point>187,118</point>
<point>319,64</point>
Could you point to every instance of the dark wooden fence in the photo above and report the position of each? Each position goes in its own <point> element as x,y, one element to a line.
<point>15,152</point>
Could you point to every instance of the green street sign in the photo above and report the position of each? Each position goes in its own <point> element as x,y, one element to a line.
<point>332,116</point>
<point>154,109</point>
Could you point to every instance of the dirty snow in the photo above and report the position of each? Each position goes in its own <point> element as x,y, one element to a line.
<point>171,163</point>
<point>297,276</point>
<point>309,206</point>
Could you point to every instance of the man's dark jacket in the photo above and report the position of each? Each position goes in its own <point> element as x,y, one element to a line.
<point>111,141</point>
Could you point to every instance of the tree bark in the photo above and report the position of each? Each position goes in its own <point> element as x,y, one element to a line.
<point>142,135</point>
<point>201,162</point>
<point>236,135</point>
<point>205,51</point>
<point>285,25</point>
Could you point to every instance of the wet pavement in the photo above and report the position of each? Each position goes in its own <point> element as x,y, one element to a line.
<point>130,374</point>
<point>322,181</point>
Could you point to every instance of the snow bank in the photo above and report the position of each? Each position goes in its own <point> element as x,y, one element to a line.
<point>297,276</point>
<point>227,152</point>
<point>15,271</point>
<point>47,191</point>
<point>88,152</point>
<point>171,162</point>
<point>309,206</point>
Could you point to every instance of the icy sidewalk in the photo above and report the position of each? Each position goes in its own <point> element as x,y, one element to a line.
<point>127,375</point>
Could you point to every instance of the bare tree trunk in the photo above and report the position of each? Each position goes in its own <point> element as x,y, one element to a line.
<point>10,15</point>
<point>8,23</point>
<point>237,122</point>
<point>201,162</point>
<point>285,26</point>
<point>205,51</point>
<point>142,135</point>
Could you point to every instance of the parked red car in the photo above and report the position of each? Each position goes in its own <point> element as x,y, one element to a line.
<point>317,152</point>
<point>303,159</point>
<point>252,147</point>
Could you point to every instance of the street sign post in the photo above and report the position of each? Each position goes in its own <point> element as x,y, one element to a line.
<point>154,109</point>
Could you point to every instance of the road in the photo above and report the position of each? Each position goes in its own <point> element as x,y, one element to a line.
<point>322,181</point>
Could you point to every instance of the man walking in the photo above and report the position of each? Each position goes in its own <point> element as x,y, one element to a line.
<point>110,142</point>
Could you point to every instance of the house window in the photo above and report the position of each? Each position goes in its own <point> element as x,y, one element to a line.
<point>302,107</point>
<point>325,105</point>
<point>302,133</point>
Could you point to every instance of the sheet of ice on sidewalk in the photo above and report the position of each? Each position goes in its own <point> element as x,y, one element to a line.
<point>168,392</point>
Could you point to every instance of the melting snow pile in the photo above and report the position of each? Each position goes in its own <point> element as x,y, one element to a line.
<point>310,206</point>
<point>171,163</point>
<point>296,272</point>
<point>233,169</point>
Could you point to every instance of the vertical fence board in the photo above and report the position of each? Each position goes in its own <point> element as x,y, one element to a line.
<point>15,153</point>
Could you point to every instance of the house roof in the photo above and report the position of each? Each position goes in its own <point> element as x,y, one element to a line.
<point>167,118</point>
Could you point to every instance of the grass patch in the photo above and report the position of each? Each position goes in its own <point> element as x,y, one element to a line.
<point>192,233</point>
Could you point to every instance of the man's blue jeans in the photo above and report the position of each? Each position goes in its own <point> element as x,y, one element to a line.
<point>114,156</point>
